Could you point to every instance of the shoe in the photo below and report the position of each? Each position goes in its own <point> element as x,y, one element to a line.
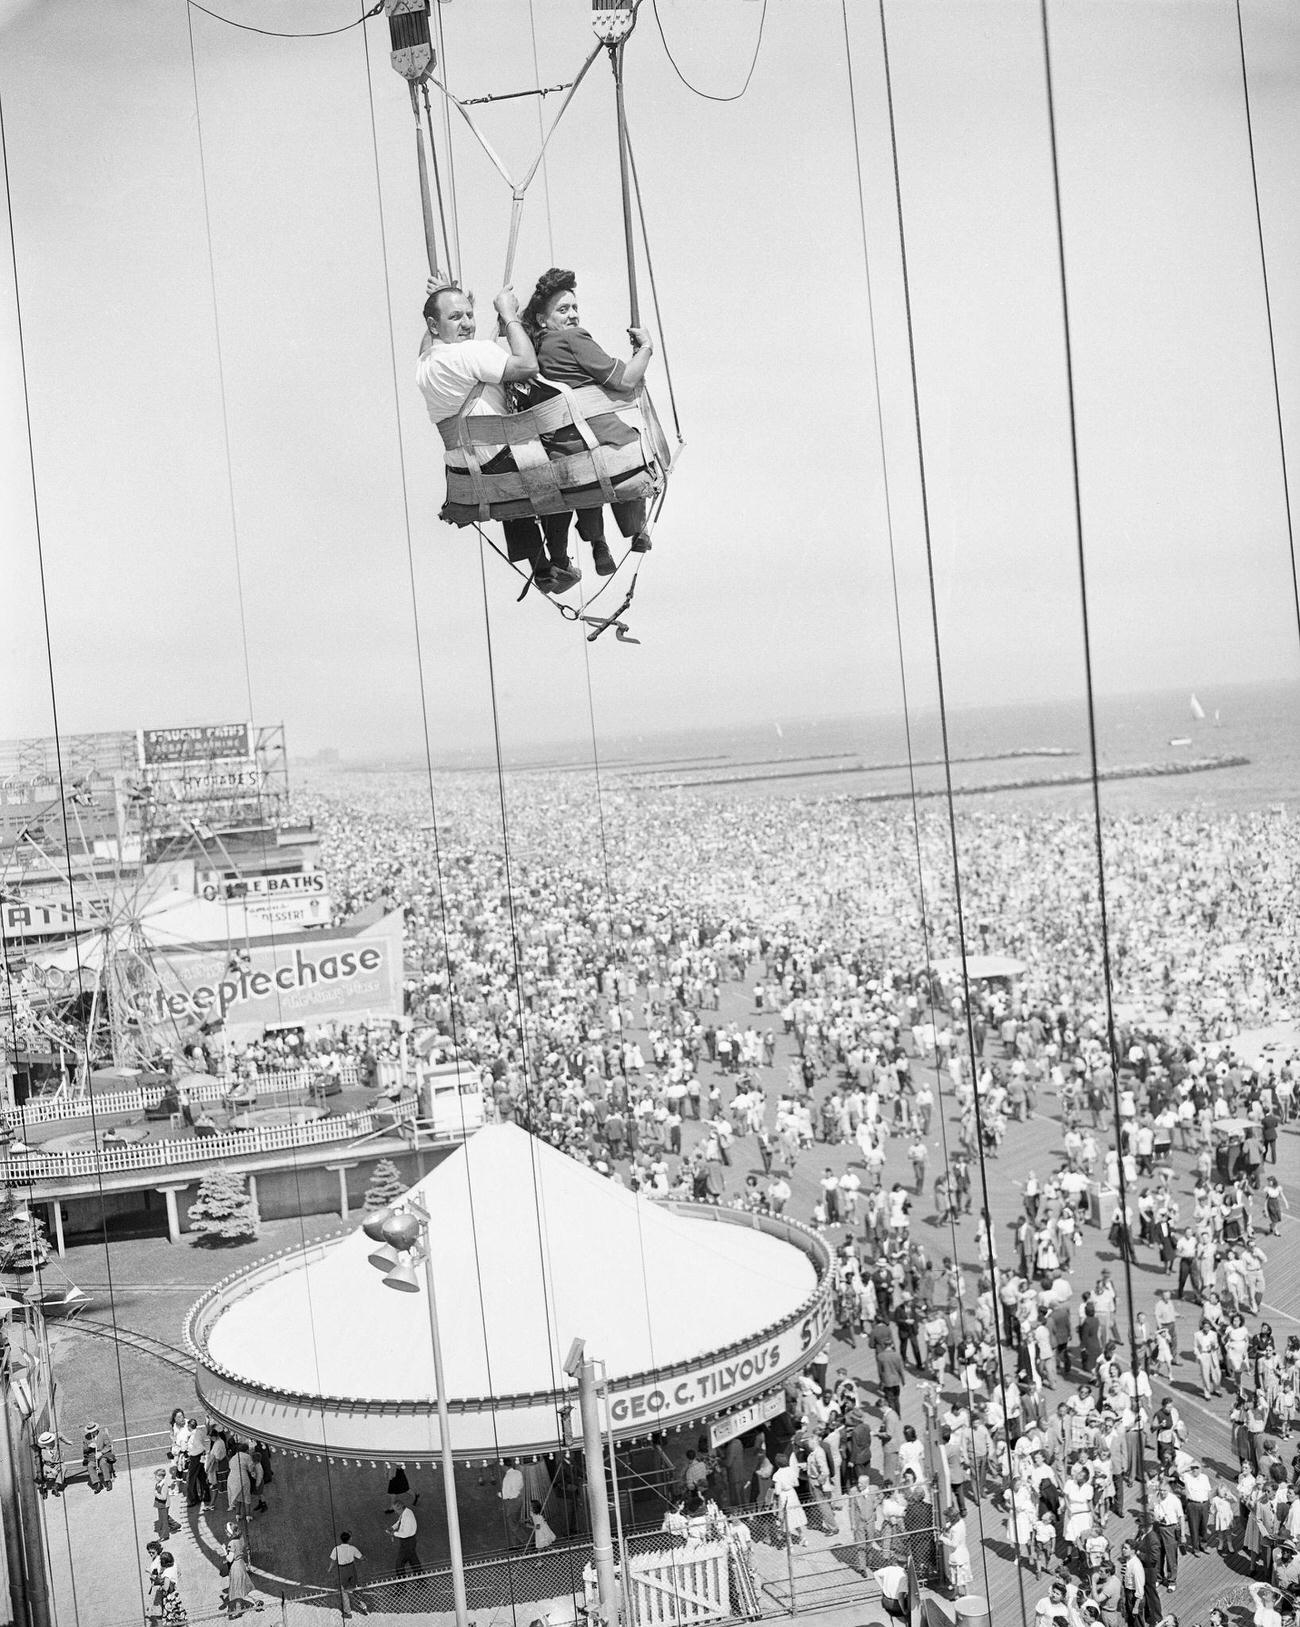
<point>602,559</point>
<point>564,577</point>
<point>641,543</point>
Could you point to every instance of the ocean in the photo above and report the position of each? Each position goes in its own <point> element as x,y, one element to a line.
<point>994,747</point>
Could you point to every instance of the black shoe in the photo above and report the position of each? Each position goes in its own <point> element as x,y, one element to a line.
<point>641,543</point>
<point>602,559</point>
<point>563,577</point>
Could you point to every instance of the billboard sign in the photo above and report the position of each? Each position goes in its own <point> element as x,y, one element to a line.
<point>331,977</point>
<point>178,784</point>
<point>275,884</point>
<point>283,901</point>
<point>26,918</point>
<point>201,743</point>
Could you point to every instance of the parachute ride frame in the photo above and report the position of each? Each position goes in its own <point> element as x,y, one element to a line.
<point>415,59</point>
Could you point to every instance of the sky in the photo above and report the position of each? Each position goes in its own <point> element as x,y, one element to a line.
<point>220,266</point>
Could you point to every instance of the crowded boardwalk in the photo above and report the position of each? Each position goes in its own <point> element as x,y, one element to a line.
<point>752,1023</point>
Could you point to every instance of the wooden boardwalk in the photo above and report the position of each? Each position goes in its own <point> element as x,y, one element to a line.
<point>99,1535</point>
<point>1035,1146</point>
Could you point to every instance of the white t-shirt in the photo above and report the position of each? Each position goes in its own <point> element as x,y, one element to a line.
<point>447,373</point>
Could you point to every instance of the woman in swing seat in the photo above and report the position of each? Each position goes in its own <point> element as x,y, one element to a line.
<point>567,354</point>
<point>454,363</point>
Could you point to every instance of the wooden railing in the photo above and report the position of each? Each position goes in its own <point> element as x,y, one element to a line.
<point>164,1153</point>
<point>50,1110</point>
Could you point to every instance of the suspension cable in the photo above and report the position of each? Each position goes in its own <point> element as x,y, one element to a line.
<point>282,34</point>
<point>417,631</point>
<point>1112,1044</point>
<point>543,1251</point>
<point>654,287</point>
<point>907,721</point>
<point>1268,313</point>
<point>541,129</point>
<point>985,1213</point>
<point>245,652</point>
<point>67,843</point>
<point>709,96</point>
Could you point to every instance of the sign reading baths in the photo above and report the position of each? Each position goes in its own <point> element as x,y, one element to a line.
<point>313,980</point>
<point>724,1383</point>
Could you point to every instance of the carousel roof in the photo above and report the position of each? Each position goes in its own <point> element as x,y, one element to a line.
<point>530,1250</point>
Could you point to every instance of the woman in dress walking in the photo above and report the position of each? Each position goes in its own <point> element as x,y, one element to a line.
<point>239,1584</point>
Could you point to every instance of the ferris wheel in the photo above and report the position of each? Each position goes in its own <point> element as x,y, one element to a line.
<point>90,926</point>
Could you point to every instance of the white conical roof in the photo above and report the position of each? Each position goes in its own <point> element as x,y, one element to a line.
<point>530,1250</point>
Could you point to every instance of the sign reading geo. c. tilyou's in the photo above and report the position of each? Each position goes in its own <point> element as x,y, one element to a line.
<point>315,978</point>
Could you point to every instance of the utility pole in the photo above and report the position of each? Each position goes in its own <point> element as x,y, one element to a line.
<point>579,1366</point>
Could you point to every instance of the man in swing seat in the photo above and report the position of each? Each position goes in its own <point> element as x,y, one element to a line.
<point>567,354</point>
<point>453,362</point>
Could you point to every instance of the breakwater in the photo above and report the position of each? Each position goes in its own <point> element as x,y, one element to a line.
<point>862,768</point>
<point>1137,771</point>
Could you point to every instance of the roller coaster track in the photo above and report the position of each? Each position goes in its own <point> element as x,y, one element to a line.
<point>143,1344</point>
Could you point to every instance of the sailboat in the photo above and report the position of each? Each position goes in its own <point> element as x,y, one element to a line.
<point>1198,711</point>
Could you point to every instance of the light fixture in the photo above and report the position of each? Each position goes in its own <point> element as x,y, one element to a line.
<point>401,1231</point>
<point>402,1276</point>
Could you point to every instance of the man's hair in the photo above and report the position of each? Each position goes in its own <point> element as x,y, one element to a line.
<point>431,304</point>
<point>345,1536</point>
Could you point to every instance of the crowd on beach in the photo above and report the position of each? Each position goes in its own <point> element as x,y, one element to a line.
<point>587,981</point>
<point>588,984</point>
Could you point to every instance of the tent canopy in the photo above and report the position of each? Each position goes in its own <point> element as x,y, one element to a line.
<point>530,1250</point>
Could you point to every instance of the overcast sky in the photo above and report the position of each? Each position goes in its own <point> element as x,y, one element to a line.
<point>768,591</point>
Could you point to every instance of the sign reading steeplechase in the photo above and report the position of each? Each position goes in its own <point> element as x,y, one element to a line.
<point>316,979</point>
<point>199,743</point>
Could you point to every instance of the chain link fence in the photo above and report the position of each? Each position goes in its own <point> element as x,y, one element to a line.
<point>743,1567</point>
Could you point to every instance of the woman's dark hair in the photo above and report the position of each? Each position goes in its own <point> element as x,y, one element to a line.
<point>549,284</point>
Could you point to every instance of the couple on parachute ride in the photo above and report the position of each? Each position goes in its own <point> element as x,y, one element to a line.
<point>568,462</point>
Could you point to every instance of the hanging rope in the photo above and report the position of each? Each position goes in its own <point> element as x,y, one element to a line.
<point>543,1251</point>
<point>625,185</point>
<point>1112,1046</point>
<point>1268,313</point>
<point>907,731</point>
<point>986,1217</point>
<point>233,509</point>
<point>453,257</point>
<point>541,132</point>
<point>281,34</point>
<point>709,96</point>
<point>453,1015</point>
<point>654,290</point>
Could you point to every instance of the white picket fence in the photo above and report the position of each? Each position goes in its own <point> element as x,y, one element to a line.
<point>198,1087</point>
<point>22,1170</point>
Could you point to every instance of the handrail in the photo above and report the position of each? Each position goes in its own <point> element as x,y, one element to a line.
<point>162,1154</point>
<point>40,1110</point>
